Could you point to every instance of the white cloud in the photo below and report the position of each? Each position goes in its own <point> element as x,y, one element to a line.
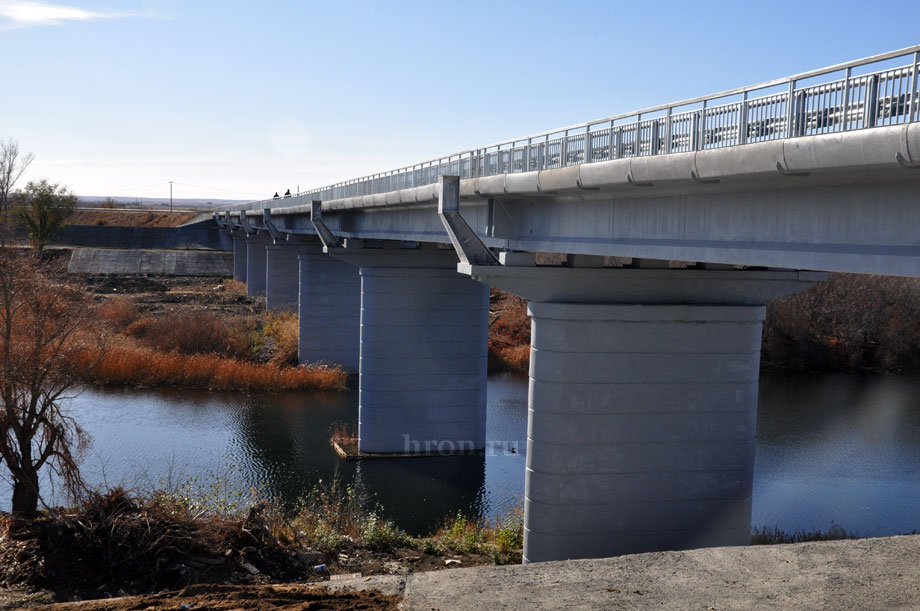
<point>18,14</point>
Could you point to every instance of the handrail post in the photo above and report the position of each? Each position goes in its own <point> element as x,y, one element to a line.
<point>915,91</point>
<point>870,112</point>
<point>667,132</point>
<point>790,109</point>
<point>637,145</point>
<point>742,119</point>
<point>564,150</point>
<point>587,146</point>
<point>846,98</point>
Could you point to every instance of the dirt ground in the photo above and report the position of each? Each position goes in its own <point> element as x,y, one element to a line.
<point>130,218</point>
<point>230,597</point>
<point>170,294</point>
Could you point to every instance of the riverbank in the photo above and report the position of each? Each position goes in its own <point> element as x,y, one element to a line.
<point>116,543</point>
<point>196,333</point>
<point>864,574</point>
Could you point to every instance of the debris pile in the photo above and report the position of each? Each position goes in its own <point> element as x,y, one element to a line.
<point>117,545</point>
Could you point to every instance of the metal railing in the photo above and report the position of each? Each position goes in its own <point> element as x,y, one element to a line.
<point>845,99</point>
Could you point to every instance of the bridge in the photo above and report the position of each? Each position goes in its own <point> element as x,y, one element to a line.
<point>644,374</point>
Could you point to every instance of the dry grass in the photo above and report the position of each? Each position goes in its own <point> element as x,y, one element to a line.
<point>117,313</point>
<point>235,287</point>
<point>126,363</point>
<point>192,333</point>
<point>282,332</point>
<point>501,538</point>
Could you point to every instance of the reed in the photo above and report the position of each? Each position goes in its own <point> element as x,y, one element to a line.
<point>124,363</point>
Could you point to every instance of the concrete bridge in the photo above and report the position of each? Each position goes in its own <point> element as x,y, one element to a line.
<point>644,377</point>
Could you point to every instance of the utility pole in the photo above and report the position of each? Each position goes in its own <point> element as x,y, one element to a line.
<point>170,196</point>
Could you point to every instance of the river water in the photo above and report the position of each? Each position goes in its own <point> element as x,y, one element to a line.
<point>831,449</point>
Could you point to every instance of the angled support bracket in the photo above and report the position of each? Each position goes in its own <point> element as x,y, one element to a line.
<point>228,222</point>
<point>325,234</point>
<point>267,221</point>
<point>220,223</point>
<point>244,224</point>
<point>469,247</point>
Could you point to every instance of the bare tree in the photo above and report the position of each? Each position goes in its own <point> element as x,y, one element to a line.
<point>44,209</point>
<point>13,163</point>
<point>48,340</point>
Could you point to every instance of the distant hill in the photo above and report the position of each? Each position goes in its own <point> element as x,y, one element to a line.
<point>151,202</point>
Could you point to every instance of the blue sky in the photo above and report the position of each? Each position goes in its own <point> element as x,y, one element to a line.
<point>246,98</point>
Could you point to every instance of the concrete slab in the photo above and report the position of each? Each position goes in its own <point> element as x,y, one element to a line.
<point>865,574</point>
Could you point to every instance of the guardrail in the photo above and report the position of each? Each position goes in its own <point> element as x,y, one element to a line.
<point>847,99</point>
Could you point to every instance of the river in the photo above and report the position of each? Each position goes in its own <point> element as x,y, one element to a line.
<point>831,449</point>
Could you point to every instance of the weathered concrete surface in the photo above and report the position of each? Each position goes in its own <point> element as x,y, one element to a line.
<point>866,574</point>
<point>155,262</point>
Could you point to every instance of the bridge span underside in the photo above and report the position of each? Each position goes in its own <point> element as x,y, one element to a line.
<point>643,378</point>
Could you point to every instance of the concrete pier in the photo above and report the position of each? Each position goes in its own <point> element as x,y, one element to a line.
<point>424,340</point>
<point>282,280</point>
<point>329,310</point>
<point>255,263</point>
<point>641,428</point>
<point>642,406</point>
<point>239,256</point>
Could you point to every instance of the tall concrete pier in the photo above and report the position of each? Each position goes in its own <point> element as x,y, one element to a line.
<point>256,263</point>
<point>239,256</point>
<point>329,310</point>
<point>282,279</point>
<point>642,406</point>
<point>424,331</point>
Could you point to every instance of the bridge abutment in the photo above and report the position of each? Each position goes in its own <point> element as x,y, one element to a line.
<point>642,406</point>
<point>256,265</point>
<point>329,310</point>
<point>424,334</point>
<point>282,280</point>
